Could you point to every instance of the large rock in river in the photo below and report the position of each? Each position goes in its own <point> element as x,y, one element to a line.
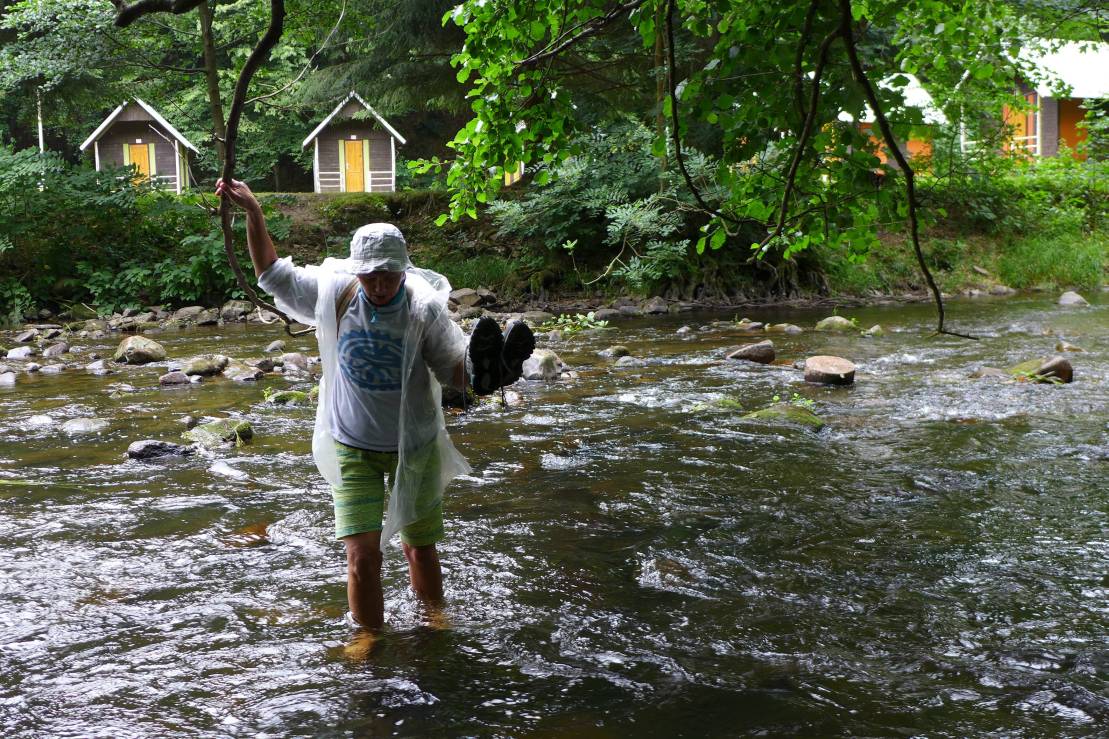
<point>218,433</point>
<point>139,350</point>
<point>828,370</point>
<point>236,310</point>
<point>761,352</point>
<point>1073,299</point>
<point>836,323</point>
<point>1054,370</point>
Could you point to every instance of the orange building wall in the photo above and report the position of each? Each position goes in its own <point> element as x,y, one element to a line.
<point>1070,113</point>
<point>1023,125</point>
<point>914,148</point>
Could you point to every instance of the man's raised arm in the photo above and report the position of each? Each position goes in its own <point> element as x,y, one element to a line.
<point>258,241</point>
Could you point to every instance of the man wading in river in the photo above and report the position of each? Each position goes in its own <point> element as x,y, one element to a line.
<point>386,343</point>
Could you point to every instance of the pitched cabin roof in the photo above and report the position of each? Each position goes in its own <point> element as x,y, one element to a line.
<point>153,114</point>
<point>352,96</point>
<point>1081,65</point>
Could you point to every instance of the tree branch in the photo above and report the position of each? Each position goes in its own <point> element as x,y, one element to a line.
<point>128,14</point>
<point>891,143</point>
<point>588,28</point>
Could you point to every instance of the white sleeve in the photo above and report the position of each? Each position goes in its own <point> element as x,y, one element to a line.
<point>444,346</point>
<point>295,287</point>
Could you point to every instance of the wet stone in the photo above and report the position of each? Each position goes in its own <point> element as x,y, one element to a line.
<point>784,328</point>
<point>983,372</point>
<point>761,352</point>
<point>466,297</point>
<point>605,314</point>
<point>22,352</point>
<point>206,365</point>
<point>1064,346</point>
<point>684,331</point>
<point>543,364</point>
<point>630,362</point>
<point>788,413</point>
<point>7,379</point>
<point>615,351</point>
<point>56,350</point>
<point>236,310</point>
<point>32,367</point>
<point>294,359</point>
<point>153,449</point>
<point>275,346</point>
<point>1072,299</point>
<point>748,326</point>
<point>656,305</point>
<point>1050,370</point>
<point>837,324</point>
<point>174,378</point>
<point>27,336</point>
<point>99,367</point>
<point>537,317</point>
<point>76,426</point>
<point>220,433</point>
<point>208,317</point>
<point>139,350</point>
<point>631,311</point>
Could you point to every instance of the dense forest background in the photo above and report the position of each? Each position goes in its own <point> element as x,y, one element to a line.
<point>758,182</point>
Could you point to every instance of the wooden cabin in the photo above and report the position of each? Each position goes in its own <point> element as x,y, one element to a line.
<point>355,149</point>
<point>1050,122</point>
<point>135,134</point>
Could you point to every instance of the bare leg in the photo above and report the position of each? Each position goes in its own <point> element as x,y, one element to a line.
<point>364,579</point>
<point>425,573</point>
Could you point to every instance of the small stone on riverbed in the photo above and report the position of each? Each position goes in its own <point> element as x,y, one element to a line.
<point>275,346</point>
<point>219,432</point>
<point>153,448</point>
<point>788,413</point>
<point>7,379</point>
<point>174,378</point>
<point>206,365</point>
<point>1064,346</point>
<point>829,370</point>
<point>784,328</point>
<point>56,350</point>
<point>615,351</point>
<point>543,364</point>
<point>22,352</point>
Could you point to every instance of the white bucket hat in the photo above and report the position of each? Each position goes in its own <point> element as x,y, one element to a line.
<point>377,247</point>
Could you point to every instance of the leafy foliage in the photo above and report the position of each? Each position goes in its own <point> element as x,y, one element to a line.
<point>572,324</point>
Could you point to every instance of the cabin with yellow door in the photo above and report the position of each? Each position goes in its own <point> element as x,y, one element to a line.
<point>355,149</point>
<point>136,135</point>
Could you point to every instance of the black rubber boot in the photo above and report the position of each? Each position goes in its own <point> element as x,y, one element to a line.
<point>486,346</point>
<point>519,343</point>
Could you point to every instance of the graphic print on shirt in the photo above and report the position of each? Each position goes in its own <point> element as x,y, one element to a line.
<point>372,359</point>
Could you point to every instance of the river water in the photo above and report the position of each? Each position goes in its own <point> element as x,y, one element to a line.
<point>626,558</point>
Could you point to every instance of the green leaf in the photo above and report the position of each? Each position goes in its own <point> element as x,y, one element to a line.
<point>441,220</point>
<point>718,238</point>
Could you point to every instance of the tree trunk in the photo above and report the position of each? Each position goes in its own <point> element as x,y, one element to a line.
<point>211,75</point>
<point>660,91</point>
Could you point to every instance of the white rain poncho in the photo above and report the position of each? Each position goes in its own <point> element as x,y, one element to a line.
<point>421,422</point>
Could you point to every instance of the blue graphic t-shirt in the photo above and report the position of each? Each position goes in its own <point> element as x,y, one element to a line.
<point>366,398</point>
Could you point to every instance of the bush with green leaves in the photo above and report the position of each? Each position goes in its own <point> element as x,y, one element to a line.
<point>74,234</point>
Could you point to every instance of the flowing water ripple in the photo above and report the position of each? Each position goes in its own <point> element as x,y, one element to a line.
<point>627,557</point>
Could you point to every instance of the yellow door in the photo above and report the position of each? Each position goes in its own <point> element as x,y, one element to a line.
<point>353,151</point>
<point>139,156</point>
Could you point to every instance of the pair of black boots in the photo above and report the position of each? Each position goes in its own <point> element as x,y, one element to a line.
<point>497,359</point>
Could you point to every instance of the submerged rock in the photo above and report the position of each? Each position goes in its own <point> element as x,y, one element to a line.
<point>286,397</point>
<point>139,350</point>
<point>836,323</point>
<point>76,426</point>
<point>615,351</point>
<point>684,330</point>
<point>748,326</point>
<point>543,364</point>
<point>875,330</point>
<point>275,346</point>
<point>788,413</point>
<point>239,372</point>
<point>828,370</point>
<point>1054,370</point>
<point>784,328</point>
<point>220,432</point>
<point>99,367</point>
<point>982,372</point>
<point>153,448</point>
<point>1064,346</point>
<point>1072,299</point>
<point>630,361</point>
<point>761,352</point>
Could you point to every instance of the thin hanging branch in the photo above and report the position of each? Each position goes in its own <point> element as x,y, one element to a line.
<point>259,55</point>
<point>891,143</point>
<point>127,14</point>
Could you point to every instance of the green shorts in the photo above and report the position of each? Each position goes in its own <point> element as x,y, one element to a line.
<point>360,500</point>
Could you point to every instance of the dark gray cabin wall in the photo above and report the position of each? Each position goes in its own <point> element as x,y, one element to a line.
<point>1049,128</point>
<point>120,133</point>
<point>381,159</point>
